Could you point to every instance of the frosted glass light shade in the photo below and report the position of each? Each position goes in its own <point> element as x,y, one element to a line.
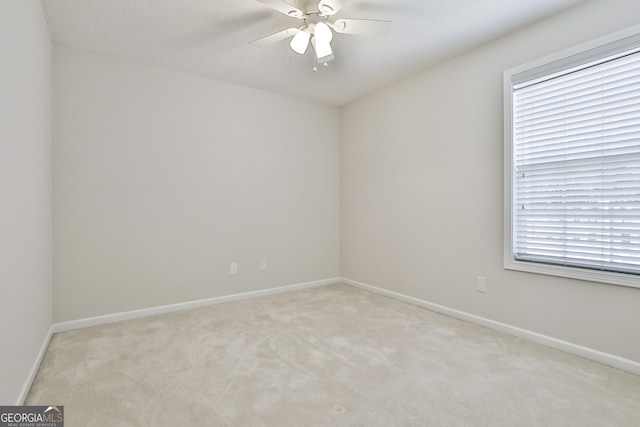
<point>300,42</point>
<point>323,49</point>
<point>322,33</point>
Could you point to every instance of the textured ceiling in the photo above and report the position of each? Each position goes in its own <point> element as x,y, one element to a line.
<point>210,38</point>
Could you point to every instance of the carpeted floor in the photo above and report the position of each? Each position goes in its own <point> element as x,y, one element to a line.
<point>328,356</point>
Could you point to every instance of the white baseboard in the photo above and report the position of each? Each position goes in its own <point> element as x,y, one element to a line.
<point>34,369</point>
<point>577,350</point>
<point>153,311</point>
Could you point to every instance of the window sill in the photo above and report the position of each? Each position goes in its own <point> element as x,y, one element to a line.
<point>620,279</point>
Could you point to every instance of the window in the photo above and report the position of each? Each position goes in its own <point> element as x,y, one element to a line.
<point>572,163</point>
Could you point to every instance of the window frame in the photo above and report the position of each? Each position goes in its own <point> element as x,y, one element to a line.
<point>548,66</point>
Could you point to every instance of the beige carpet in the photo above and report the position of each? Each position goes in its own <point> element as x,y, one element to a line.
<point>329,356</point>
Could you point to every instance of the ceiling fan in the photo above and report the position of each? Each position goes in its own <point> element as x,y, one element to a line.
<point>318,27</point>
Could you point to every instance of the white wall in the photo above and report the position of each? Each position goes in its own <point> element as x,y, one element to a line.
<point>25,192</point>
<point>161,179</point>
<point>422,192</point>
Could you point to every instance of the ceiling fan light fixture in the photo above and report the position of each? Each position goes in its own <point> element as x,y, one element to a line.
<point>300,42</point>
<point>323,50</point>
<point>322,33</point>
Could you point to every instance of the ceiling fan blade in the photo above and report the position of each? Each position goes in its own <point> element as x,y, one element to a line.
<point>283,7</point>
<point>363,27</point>
<point>330,7</point>
<point>276,37</point>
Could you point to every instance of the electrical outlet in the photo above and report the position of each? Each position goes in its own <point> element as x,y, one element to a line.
<point>263,265</point>
<point>233,268</point>
<point>481,284</point>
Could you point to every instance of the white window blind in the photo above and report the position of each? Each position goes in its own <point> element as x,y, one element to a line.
<point>576,167</point>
